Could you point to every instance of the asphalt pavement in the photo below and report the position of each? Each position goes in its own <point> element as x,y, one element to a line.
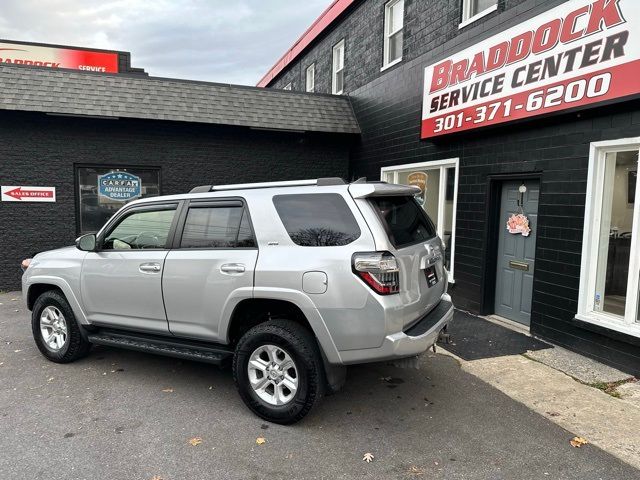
<point>126,415</point>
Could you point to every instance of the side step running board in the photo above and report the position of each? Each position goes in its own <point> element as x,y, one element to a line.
<point>188,350</point>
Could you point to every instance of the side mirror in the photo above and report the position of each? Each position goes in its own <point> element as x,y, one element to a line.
<point>86,243</point>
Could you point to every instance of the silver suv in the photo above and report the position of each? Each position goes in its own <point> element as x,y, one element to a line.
<point>289,282</point>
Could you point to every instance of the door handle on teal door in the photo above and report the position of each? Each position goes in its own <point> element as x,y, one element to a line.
<point>232,268</point>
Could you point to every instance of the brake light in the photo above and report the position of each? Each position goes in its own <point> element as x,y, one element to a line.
<point>379,270</point>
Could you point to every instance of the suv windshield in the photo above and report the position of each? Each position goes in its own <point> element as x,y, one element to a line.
<point>404,220</point>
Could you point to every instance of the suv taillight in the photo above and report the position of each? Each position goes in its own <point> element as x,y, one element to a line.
<point>379,270</point>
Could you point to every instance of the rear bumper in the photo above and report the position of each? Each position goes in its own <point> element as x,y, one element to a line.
<point>412,341</point>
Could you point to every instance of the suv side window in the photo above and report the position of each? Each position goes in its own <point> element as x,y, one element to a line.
<point>217,227</point>
<point>317,219</point>
<point>141,229</point>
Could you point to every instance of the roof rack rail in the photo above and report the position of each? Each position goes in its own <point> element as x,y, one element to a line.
<point>321,182</point>
<point>201,189</point>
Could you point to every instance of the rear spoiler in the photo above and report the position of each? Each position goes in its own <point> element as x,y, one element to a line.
<point>381,189</point>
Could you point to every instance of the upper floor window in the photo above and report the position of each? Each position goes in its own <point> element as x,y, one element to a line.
<point>288,86</point>
<point>393,25</point>
<point>311,78</point>
<point>473,10</point>
<point>337,83</point>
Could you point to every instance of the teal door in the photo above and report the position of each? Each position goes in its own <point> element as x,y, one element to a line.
<point>516,252</point>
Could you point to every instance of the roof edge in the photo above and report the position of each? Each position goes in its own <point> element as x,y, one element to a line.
<point>151,78</point>
<point>324,21</point>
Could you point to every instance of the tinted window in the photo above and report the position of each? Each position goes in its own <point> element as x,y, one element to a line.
<point>216,227</point>
<point>245,235</point>
<point>404,220</point>
<point>97,203</point>
<point>317,220</point>
<point>142,229</point>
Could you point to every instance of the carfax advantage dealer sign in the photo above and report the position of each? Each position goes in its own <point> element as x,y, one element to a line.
<point>580,53</point>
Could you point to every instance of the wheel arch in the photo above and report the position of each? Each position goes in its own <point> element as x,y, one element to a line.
<point>38,289</point>
<point>265,305</point>
<point>39,285</point>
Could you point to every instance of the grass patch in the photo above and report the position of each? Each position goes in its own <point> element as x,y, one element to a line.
<point>610,388</point>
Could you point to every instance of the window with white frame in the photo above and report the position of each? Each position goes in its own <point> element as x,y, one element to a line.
<point>311,78</point>
<point>337,80</point>
<point>610,270</point>
<point>473,10</point>
<point>393,32</point>
<point>438,183</point>
<point>288,86</point>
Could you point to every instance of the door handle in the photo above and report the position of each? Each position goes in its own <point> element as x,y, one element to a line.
<point>232,268</point>
<point>150,267</point>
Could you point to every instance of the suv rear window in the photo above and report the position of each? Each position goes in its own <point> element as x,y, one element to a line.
<point>405,221</point>
<point>317,219</point>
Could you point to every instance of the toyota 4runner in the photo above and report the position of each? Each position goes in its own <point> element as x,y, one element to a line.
<point>288,281</point>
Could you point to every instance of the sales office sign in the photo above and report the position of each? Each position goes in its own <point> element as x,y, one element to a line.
<point>580,53</point>
<point>22,193</point>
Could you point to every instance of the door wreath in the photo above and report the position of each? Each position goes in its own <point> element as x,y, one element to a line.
<point>518,223</point>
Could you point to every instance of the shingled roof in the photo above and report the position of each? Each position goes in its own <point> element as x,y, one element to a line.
<point>121,96</point>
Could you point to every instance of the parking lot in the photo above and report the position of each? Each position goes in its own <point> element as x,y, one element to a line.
<point>127,415</point>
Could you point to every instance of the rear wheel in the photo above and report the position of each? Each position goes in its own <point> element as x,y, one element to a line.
<point>55,331</point>
<point>278,371</point>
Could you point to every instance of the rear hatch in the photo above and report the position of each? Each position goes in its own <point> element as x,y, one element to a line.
<point>405,230</point>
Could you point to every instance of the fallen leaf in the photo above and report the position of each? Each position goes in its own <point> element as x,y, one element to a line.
<point>261,440</point>
<point>553,414</point>
<point>368,457</point>
<point>577,442</point>
<point>414,471</point>
<point>168,390</point>
<point>195,441</point>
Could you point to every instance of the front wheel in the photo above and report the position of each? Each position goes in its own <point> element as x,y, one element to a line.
<point>278,371</point>
<point>55,329</point>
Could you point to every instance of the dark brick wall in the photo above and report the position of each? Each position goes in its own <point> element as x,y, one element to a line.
<point>428,26</point>
<point>41,150</point>
<point>388,106</point>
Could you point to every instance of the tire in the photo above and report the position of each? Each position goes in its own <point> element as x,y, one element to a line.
<point>290,340</point>
<point>74,346</point>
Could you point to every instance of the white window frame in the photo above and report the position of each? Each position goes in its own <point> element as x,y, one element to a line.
<point>387,34</point>
<point>590,243</point>
<point>288,86</point>
<point>340,46</point>
<point>392,174</point>
<point>467,19</point>
<point>310,86</point>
